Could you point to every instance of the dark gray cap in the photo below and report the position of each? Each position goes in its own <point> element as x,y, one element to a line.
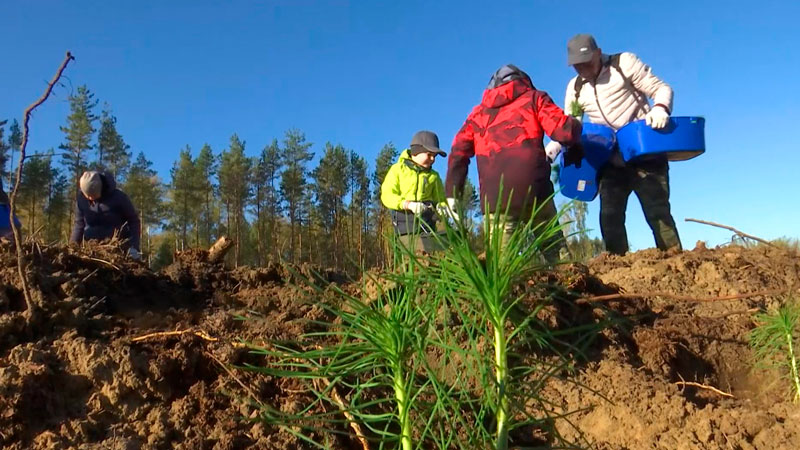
<point>426,141</point>
<point>580,49</point>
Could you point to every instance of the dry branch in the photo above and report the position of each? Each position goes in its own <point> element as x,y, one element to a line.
<point>89,276</point>
<point>734,313</point>
<point>680,298</point>
<point>737,232</point>
<point>350,419</point>
<point>224,366</point>
<point>110,264</point>
<point>32,308</point>
<point>160,334</point>
<point>703,386</point>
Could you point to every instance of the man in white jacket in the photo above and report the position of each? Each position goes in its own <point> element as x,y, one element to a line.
<point>613,90</point>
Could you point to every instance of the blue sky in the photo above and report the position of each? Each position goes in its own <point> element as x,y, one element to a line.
<point>365,73</point>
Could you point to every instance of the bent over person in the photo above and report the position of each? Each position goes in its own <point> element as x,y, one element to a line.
<point>504,132</point>
<point>102,211</point>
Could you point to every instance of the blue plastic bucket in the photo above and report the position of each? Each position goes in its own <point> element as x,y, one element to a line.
<point>683,138</point>
<point>579,181</point>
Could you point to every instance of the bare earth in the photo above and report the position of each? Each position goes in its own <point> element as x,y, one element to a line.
<point>77,378</point>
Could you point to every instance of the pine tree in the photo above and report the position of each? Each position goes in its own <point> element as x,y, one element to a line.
<point>386,157</point>
<point>330,187</point>
<point>145,190</point>
<point>78,134</point>
<point>306,230</point>
<point>113,154</point>
<point>359,201</point>
<point>35,173</point>
<point>273,164</point>
<point>4,157</point>
<point>234,188</point>
<point>206,166</point>
<point>294,190</point>
<point>59,206</point>
<point>580,245</point>
<point>266,207</point>
<point>14,142</point>
<point>184,198</point>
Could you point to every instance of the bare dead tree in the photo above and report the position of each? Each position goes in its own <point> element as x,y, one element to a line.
<point>32,307</point>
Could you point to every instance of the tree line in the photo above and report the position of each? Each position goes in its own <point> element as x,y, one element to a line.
<point>274,206</point>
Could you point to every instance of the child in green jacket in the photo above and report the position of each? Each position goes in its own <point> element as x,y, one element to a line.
<point>413,191</point>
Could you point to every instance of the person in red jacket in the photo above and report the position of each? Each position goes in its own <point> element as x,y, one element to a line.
<point>504,132</point>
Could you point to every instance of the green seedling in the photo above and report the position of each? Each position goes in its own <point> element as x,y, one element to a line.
<point>774,342</point>
<point>438,358</point>
<point>372,351</point>
<point>483,297</point>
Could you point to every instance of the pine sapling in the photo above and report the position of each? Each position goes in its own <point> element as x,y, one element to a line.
<point>775,341</point>
<point>575,109</point>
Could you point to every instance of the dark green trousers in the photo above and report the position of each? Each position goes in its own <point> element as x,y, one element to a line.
<point>650,182</point>
<point>552,248</point>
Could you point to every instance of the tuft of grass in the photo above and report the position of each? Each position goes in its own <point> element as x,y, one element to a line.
<point>775,340</point>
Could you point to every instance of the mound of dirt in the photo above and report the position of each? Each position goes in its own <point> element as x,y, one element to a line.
<point>80,378</point>
<point>635,384</point>
<point>124,358</point>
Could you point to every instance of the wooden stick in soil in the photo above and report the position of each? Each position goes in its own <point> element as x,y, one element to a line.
<point>737,232</point>
<point>680,298</point>
<point>32,308</point>
<point>350,419</point>
<point>703,386</point>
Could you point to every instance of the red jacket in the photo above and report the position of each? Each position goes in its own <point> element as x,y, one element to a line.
<point>505,132</point>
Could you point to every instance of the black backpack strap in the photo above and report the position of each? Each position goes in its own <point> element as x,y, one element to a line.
<point>613,61</point>
<point>579,82</point>
<point>641,98</point>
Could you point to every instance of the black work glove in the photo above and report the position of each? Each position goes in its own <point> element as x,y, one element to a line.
<point>573,155</point>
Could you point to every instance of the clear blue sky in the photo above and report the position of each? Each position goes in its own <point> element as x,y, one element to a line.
<point>363,73</point>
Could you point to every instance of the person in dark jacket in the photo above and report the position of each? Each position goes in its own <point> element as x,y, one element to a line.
<point>5,224</point>
<point>505,133</point>
<point>103,210</point>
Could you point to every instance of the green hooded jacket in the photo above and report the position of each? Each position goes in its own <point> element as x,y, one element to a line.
<point>407,181</point>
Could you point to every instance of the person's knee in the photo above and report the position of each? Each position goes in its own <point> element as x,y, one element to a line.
<point>658,212</point>
<point>612,215</point>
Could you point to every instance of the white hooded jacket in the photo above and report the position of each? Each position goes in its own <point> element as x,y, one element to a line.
<point>610,101</point>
